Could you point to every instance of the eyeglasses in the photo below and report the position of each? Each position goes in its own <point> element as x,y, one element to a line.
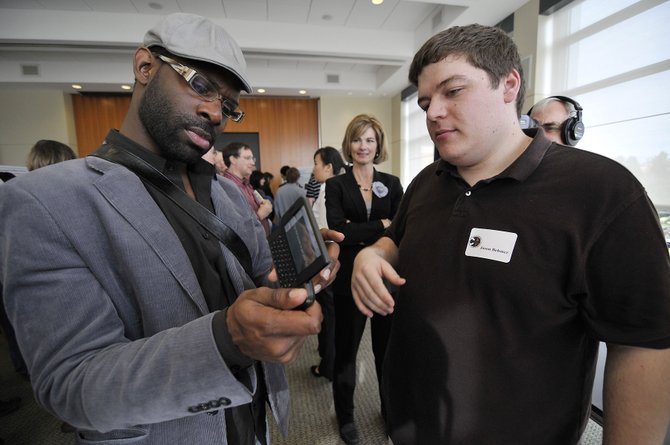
<point>248,158</point>
<point>204,88</point>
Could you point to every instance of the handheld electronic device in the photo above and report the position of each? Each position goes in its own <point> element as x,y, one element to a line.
<point>298,249</point>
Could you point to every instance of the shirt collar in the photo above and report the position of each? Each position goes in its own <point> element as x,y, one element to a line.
<point>236,179</point>
<point>159,163</point>
<point>521,168</point>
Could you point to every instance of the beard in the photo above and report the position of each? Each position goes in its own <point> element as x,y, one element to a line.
<point>166,126</point>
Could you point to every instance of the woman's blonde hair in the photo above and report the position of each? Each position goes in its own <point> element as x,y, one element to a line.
<point>356,128</point>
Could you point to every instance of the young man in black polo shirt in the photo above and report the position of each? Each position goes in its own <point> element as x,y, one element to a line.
<point>514,256</point>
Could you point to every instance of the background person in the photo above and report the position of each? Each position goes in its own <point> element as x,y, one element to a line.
<point>258,182</point>
<point>516,256</point>
<point>282,174</point>
<point>327,163</point>
<point>560,117</point>
<point>360,204</point>
<point>312,188</point>
<point>47,152</point>
<point>267,186</point>
<point>135,322</point>
<point>289,193</point>
<point>219,163</point>
<point>240,162</point>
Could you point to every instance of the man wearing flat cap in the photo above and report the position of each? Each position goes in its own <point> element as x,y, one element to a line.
<point>141,320</point>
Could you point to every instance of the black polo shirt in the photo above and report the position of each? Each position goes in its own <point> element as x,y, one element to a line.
<point>510,285</point>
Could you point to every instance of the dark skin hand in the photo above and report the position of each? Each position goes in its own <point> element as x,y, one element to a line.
<point>262,323</point>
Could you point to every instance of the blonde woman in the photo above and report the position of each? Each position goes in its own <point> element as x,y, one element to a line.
<point>361,204</point>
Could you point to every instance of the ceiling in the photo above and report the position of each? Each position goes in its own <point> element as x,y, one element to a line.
<point>324,47</point>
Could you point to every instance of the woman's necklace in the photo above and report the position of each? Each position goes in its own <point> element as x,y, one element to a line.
<point>365,189</point>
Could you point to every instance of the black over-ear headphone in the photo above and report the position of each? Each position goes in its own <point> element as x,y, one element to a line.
<point>572,130</point>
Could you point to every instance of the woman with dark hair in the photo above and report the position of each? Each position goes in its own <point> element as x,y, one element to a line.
<point>327,163</point>
<point>267,186</point>
<point>259,182</point>
<point>361,204</point>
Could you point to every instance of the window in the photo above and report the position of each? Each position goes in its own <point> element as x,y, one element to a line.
<point>613,58</point>
<point>417,147</point>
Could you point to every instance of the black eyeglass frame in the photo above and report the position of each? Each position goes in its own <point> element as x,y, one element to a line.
<point>228,106</point>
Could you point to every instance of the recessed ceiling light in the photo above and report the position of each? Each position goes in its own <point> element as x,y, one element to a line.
<point>302,92</point>
<point>261,90</point>
<point>377,2</point>
<point>126,87</point>
<point>76,87</point>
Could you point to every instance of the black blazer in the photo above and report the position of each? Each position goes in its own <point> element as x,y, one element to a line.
<point>346,213</point>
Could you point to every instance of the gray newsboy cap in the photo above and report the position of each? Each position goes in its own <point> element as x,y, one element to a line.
<point>194,37</point>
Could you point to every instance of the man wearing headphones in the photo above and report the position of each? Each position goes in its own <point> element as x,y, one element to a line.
<point>560,117</point>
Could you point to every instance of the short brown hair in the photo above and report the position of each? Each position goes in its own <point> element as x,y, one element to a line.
<point>485,47</point>
<point>292,175</point>
<point>46,152</point>
<point>356,128</point>
<point>232,149</point>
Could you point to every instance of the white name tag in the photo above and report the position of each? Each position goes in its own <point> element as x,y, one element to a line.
<point>491,244</point>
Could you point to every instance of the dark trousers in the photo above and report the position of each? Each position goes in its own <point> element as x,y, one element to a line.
<point>327,334</point>
<point>348,333</point>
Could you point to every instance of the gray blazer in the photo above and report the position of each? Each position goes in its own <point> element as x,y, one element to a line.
<point>108,311</point>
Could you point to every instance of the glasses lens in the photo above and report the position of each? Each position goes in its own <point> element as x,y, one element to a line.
<point>228,108</point>
<point>203,87</point>
<point>207,91</point>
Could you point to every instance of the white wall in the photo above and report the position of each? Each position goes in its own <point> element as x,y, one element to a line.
<point>27,116</point>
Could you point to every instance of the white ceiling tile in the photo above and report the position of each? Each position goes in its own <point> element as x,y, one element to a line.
<point>117,6</point>
<point>365,15</point>
<point>156,6</point>
<point>65,5</point>
<point>337,11</point>
<point>255,10</point>
<point>288,11</point>
<point>408,16</point>
<point>206,8</point>
<point>20,4</point>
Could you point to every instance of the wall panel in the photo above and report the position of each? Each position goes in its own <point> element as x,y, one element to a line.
<point>94,116</point>
<point>288,128</point>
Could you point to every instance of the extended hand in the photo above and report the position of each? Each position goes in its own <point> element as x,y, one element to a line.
<point>367,285</point>
<point>327,275</point>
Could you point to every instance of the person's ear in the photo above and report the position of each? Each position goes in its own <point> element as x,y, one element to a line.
<point>144,63</point>
<point>511,85</point>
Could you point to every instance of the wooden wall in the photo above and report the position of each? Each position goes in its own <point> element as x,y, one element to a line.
<point>94,116</point>
<point>288,128</point>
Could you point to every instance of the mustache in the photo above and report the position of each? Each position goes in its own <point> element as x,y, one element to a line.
<point>201,124</point>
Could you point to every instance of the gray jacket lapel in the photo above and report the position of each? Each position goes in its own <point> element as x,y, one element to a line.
<point>127,194</point>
